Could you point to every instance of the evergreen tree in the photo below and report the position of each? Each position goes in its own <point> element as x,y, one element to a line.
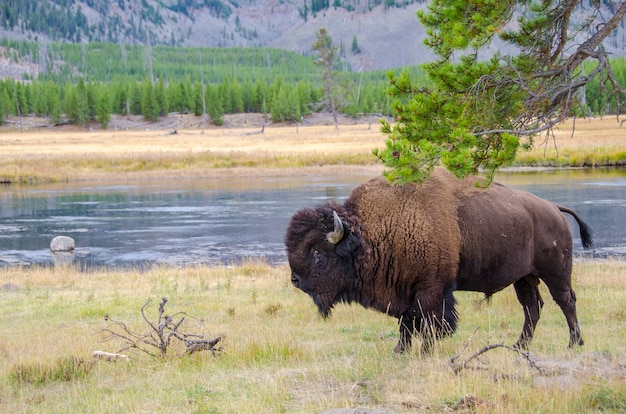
<point>71,105</point>
<point>236,96</point>
<point>161,97</point>
<point>214,106</point>
<point>149,108</point>
<point>82,114</point>
<point>355,46</point>
<point>92,100</point>
<point>225,96</point>
<point>21,103</point>
<point>4,105</point>
<point>134,98</point>
<point>326,59</point>
<point>120,103</point>
<point>175,97</point>
<point>198,105</point>
<point>285,104</point>
<point>477,113</point>
<point>53,102</point>
<point>103,115</point>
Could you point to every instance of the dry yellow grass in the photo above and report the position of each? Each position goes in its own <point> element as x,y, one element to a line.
<point>69,154</point>
<point>48,155</point>
<point>580,142</point>
<point>283,139</point>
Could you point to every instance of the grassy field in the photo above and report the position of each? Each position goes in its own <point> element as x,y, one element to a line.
<point>280,356</point>
<point>44,154</point>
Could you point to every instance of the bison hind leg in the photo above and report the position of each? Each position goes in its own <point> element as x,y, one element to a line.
<point>528,295</point>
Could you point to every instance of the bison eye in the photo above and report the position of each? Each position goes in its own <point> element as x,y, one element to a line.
<point>317,256</point>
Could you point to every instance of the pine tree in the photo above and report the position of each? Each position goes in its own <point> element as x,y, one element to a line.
<point>477,113</point>
<point>161,97</point>
<point>326,59</point>
<point>103,115</point>
<point>82,114</point>
<point>4,104</point>
<point>198,105</point>
<point>149,108</point>
<point>214,106</point>
<point>53,102</point>
<point>134,98</point>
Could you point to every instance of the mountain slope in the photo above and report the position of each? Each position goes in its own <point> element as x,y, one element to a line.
<point>386,32</point>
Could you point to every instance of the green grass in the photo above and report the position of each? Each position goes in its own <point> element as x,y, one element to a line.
<point>280,356</point>
<point>601,156</point>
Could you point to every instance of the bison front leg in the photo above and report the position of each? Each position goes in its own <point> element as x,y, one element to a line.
<point>418,322</point>
<point>407,327</point>
<point>433,317</point>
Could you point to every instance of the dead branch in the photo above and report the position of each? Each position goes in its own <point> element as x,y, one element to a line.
<point>457,367</point>
<point>260,131</point>
<point>202,345</point>
<point>158,340</point>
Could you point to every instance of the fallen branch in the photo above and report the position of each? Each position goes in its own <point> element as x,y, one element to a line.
<point>163,331</point>
<point>261,131</point>
<point>459,366</point>
<point>202,345</point>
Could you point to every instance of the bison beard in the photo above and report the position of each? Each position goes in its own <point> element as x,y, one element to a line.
<point>405,250</point>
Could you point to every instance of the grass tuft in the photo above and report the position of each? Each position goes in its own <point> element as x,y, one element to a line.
<point>61,370</point>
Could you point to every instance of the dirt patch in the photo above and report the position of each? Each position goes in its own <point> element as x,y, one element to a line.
<point>180,121</point>
<point>579,369</point>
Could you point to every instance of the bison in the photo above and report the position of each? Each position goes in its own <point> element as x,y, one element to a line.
<point>404,250</point>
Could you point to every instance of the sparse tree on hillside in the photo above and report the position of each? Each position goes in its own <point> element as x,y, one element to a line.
<point>478,113</point>
<point>327,57</point>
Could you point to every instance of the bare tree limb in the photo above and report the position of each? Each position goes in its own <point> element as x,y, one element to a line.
<point>161,333</point>
<point>457,367</point>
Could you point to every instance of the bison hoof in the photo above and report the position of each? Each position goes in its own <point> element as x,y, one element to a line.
<point>399,348</point>
<point>573,342</point>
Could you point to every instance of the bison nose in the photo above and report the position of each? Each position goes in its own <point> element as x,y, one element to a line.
<point>295,279</point>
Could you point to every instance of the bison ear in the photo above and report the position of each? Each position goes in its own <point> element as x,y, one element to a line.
<point>336,235</point>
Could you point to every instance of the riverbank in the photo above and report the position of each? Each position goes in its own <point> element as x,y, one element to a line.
<point>244,147</point>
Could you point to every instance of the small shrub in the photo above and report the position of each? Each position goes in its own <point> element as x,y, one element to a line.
<point>607,399</point>
<point>63,369</point>
<point>272,309</point>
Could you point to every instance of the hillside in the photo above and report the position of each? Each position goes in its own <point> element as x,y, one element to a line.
<point>375,34</point>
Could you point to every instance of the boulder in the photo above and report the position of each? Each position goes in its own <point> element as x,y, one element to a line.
<point>62,244</point>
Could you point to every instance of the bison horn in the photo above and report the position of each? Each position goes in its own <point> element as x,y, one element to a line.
<point>336,235</point>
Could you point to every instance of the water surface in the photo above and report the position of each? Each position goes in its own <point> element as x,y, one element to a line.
<point>221,221</point>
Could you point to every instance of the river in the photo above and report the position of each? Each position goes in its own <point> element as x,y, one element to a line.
<point>222,221</point>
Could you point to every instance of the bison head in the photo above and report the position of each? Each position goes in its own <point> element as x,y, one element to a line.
<point>322,249</point>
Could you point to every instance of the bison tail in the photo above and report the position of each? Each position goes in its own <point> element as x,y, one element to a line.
<point>586,234</point>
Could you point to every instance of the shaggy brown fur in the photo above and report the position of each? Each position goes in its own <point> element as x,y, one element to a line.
<point>405,250</point>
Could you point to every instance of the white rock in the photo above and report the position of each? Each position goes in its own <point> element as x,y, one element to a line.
<point>62,244</point>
